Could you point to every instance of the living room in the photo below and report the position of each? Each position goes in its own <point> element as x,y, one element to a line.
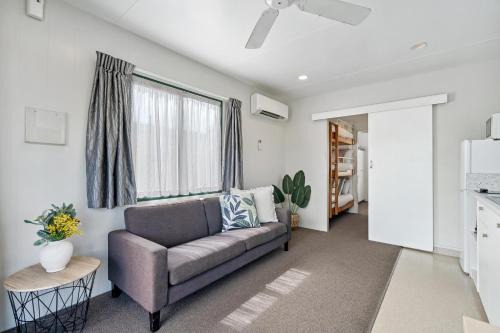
<point>333,276</point>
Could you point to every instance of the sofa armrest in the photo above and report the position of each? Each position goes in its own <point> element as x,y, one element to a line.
<point>285,216</point>
<point>138,267</point>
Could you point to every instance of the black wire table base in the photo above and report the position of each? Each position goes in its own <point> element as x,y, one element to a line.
<point>60,309</point>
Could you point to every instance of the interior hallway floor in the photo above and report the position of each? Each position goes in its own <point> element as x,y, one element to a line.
<point>327,282</point>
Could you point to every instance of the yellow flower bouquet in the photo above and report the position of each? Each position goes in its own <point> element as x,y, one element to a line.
<point>58,223</point>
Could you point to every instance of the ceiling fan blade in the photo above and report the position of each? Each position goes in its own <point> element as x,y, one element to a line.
<point>262,28</point>
<point>335,10</point>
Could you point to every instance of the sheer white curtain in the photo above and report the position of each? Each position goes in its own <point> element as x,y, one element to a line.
<point>176,141</point>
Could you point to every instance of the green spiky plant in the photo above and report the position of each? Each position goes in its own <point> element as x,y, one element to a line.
<point>297,193</point>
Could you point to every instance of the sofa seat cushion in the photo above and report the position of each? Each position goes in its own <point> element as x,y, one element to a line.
<point>256,236</point>
<point>190,259</point>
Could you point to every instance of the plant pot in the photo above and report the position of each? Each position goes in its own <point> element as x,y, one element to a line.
<point>295,221</point>
<point>56,255</point>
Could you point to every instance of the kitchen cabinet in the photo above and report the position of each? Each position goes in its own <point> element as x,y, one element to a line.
<point>488,260</point>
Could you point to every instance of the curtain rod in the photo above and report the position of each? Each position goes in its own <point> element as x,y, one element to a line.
<point>153,76</point>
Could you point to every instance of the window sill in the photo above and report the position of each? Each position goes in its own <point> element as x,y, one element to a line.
<point>154,202</point>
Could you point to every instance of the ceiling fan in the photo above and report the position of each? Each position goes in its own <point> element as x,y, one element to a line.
<point>332,9</point>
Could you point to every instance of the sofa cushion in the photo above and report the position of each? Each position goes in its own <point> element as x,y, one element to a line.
<point>238,212</point>
<point>264,202</point>
<point>214,216</point>
<point>188,260</point>
<point>168,225</point>
<point>256,236</point>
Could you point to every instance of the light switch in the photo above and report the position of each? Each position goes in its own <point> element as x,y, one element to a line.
<point>34,8</point>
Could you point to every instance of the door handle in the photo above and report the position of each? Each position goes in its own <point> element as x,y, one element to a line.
<point>480,208</point>
<point>485,235</point>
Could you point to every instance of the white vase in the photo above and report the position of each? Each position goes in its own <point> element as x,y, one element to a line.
<point>56,255</point>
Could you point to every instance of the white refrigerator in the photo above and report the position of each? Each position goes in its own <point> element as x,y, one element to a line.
<point>476,157</point>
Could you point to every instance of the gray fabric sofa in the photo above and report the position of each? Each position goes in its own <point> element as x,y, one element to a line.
<point>170,251</point>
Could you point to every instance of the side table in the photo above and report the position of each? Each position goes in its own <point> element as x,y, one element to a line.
<point>52,302</point>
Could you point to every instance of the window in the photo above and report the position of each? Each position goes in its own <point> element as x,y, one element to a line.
<point>176,139</point>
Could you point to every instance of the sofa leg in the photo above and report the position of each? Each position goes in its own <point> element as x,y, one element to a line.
<point>115,291</point>
<point>286,246</point>
<point>154,321</point>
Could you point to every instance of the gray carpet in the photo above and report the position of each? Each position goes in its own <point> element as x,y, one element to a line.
<point>338,287</point>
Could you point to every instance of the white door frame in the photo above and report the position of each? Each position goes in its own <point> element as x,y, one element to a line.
<point>380,107</point>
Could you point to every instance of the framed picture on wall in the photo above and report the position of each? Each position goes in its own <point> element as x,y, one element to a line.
<point>45,127</point>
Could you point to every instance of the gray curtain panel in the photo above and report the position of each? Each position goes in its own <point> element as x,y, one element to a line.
<point>110,171</point>
<point>233,158</point>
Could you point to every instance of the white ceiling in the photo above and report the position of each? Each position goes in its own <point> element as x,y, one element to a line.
<point>333,55</point>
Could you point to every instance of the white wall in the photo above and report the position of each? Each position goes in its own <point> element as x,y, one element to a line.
<point>50,65</point>
<point>359,122</point>
<point>474,94</point>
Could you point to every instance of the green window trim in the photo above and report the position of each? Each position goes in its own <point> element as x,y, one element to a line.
<point>143,199</point>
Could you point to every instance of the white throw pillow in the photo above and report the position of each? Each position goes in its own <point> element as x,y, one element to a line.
<point>347,187</point>
<point>264,202</point>
<point>341,185</point>
<point>348,153</point>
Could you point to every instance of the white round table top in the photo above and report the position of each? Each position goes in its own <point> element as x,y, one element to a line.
<point>35,277</point>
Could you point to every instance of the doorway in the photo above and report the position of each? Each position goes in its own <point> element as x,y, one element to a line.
<point>400,169</point>
<point>348,177</point>
<point>391,179</point>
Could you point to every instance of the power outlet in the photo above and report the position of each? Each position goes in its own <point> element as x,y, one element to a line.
<point>35,8</point>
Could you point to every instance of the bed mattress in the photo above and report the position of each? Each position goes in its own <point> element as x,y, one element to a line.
<point>344,133</point>
<point>344,199</point>
<point>344,166</point>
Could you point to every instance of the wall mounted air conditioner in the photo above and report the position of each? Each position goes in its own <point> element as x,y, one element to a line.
<point>268,107</point>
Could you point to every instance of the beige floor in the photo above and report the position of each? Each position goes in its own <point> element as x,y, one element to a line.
<point>427,293</point>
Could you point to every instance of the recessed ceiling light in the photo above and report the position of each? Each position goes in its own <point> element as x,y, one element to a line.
<point>302,77</point>
<point>418,46</point>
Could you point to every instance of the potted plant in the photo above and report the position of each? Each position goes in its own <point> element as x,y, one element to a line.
<point>58,224</point>
<point>297,194</point>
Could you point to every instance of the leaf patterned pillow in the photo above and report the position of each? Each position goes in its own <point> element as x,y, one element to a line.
<point>238,211</point>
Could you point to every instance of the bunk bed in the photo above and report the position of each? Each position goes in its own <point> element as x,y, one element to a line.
<point>342,166</point>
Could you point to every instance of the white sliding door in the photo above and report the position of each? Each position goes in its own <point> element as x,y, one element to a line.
<point>400,177</point>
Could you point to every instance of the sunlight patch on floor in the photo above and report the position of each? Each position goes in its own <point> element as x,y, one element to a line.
<point>247,312</point>
<point>288,281</point>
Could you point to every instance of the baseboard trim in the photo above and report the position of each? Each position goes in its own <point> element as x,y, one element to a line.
<point>447,251</point>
